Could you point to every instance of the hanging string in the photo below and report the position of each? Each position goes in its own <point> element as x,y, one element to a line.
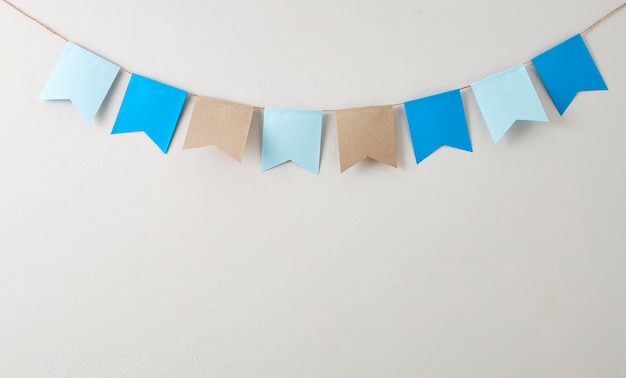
<point>601,20</point>
<point>36,20</point>
<point>49,29</point>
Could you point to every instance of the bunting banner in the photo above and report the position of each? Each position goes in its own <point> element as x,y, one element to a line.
<point>291,135</point>
<point>437,121</point>
<point>567,69</point>
<point>220,123</point>
<point>81,77</point>
<point>507,97</point>
<point>366,133</point>
<point>151,107</point>
<point>295,135</point>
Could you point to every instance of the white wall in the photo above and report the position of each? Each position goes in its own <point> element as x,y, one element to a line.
<point>117,260</point>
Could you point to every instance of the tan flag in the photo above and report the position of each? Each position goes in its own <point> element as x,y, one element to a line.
<point>366,133</point>
<point>221,123</point>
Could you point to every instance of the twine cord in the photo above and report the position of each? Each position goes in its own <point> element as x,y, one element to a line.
<point>59,35</point>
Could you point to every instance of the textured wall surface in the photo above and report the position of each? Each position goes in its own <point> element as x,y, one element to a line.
<point>117,260</point>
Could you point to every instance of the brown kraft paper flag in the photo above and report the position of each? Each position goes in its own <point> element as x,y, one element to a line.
<point>366,133</point>
<point>221,123</point>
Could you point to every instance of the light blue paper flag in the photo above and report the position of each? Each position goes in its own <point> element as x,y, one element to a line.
<point>437,121</point>
<point>81,77</point>
<point>290,134</point>
<point>567,69</point>
<point>506,97</point>
<point>151,107</point>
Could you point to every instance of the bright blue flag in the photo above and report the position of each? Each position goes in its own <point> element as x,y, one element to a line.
<point>151,107</point>
<point>437,121</point>
<point>506,97</point>
<point>567,69</point>
<point>290,134</point>
<point>81,77</point>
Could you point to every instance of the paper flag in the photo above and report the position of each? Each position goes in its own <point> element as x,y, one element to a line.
<point>437,121</point>
<point>567,69</point>
<point>506,97</point>
<point>221,123</point>
<point>151,107</point>
<point>366,133</point>
<point>81,77</point>
<point>290,134</point>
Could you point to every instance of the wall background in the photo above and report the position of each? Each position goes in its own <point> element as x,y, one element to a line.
<point>117,260</point>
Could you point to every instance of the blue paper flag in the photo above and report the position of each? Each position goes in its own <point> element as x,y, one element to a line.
<point>506,97</point>
<point>81,77</point>
<point>290,134</point>
<point>567,69</point>
<point>437,121</point>
<point>151,107</point>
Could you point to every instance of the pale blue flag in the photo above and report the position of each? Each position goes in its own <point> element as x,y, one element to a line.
<point>290,134</point>
<point>81,77</point>
<point>506,97</point>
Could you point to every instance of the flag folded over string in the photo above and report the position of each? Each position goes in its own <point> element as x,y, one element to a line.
<point>291,135</point>
<point>221,123</point>
<point>437,121</point>
<point>366,133</point>
<point>506,97</point>
<point>567,69</point>
<point>81,77</point>
<point>151,107</point>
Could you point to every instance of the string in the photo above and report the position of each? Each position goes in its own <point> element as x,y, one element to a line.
<point>601,20</point>
<point>49,29</point>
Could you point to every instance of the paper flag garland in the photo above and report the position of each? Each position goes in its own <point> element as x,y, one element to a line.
<point>295,135</point>
<point>151,107</point>
<point>567,69</point>
<point>366,133</point>
<point>221,123</point>
<point>291,134</point>
<point>81,77</point>
<point>437,121</point>
<point>506,97</point>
